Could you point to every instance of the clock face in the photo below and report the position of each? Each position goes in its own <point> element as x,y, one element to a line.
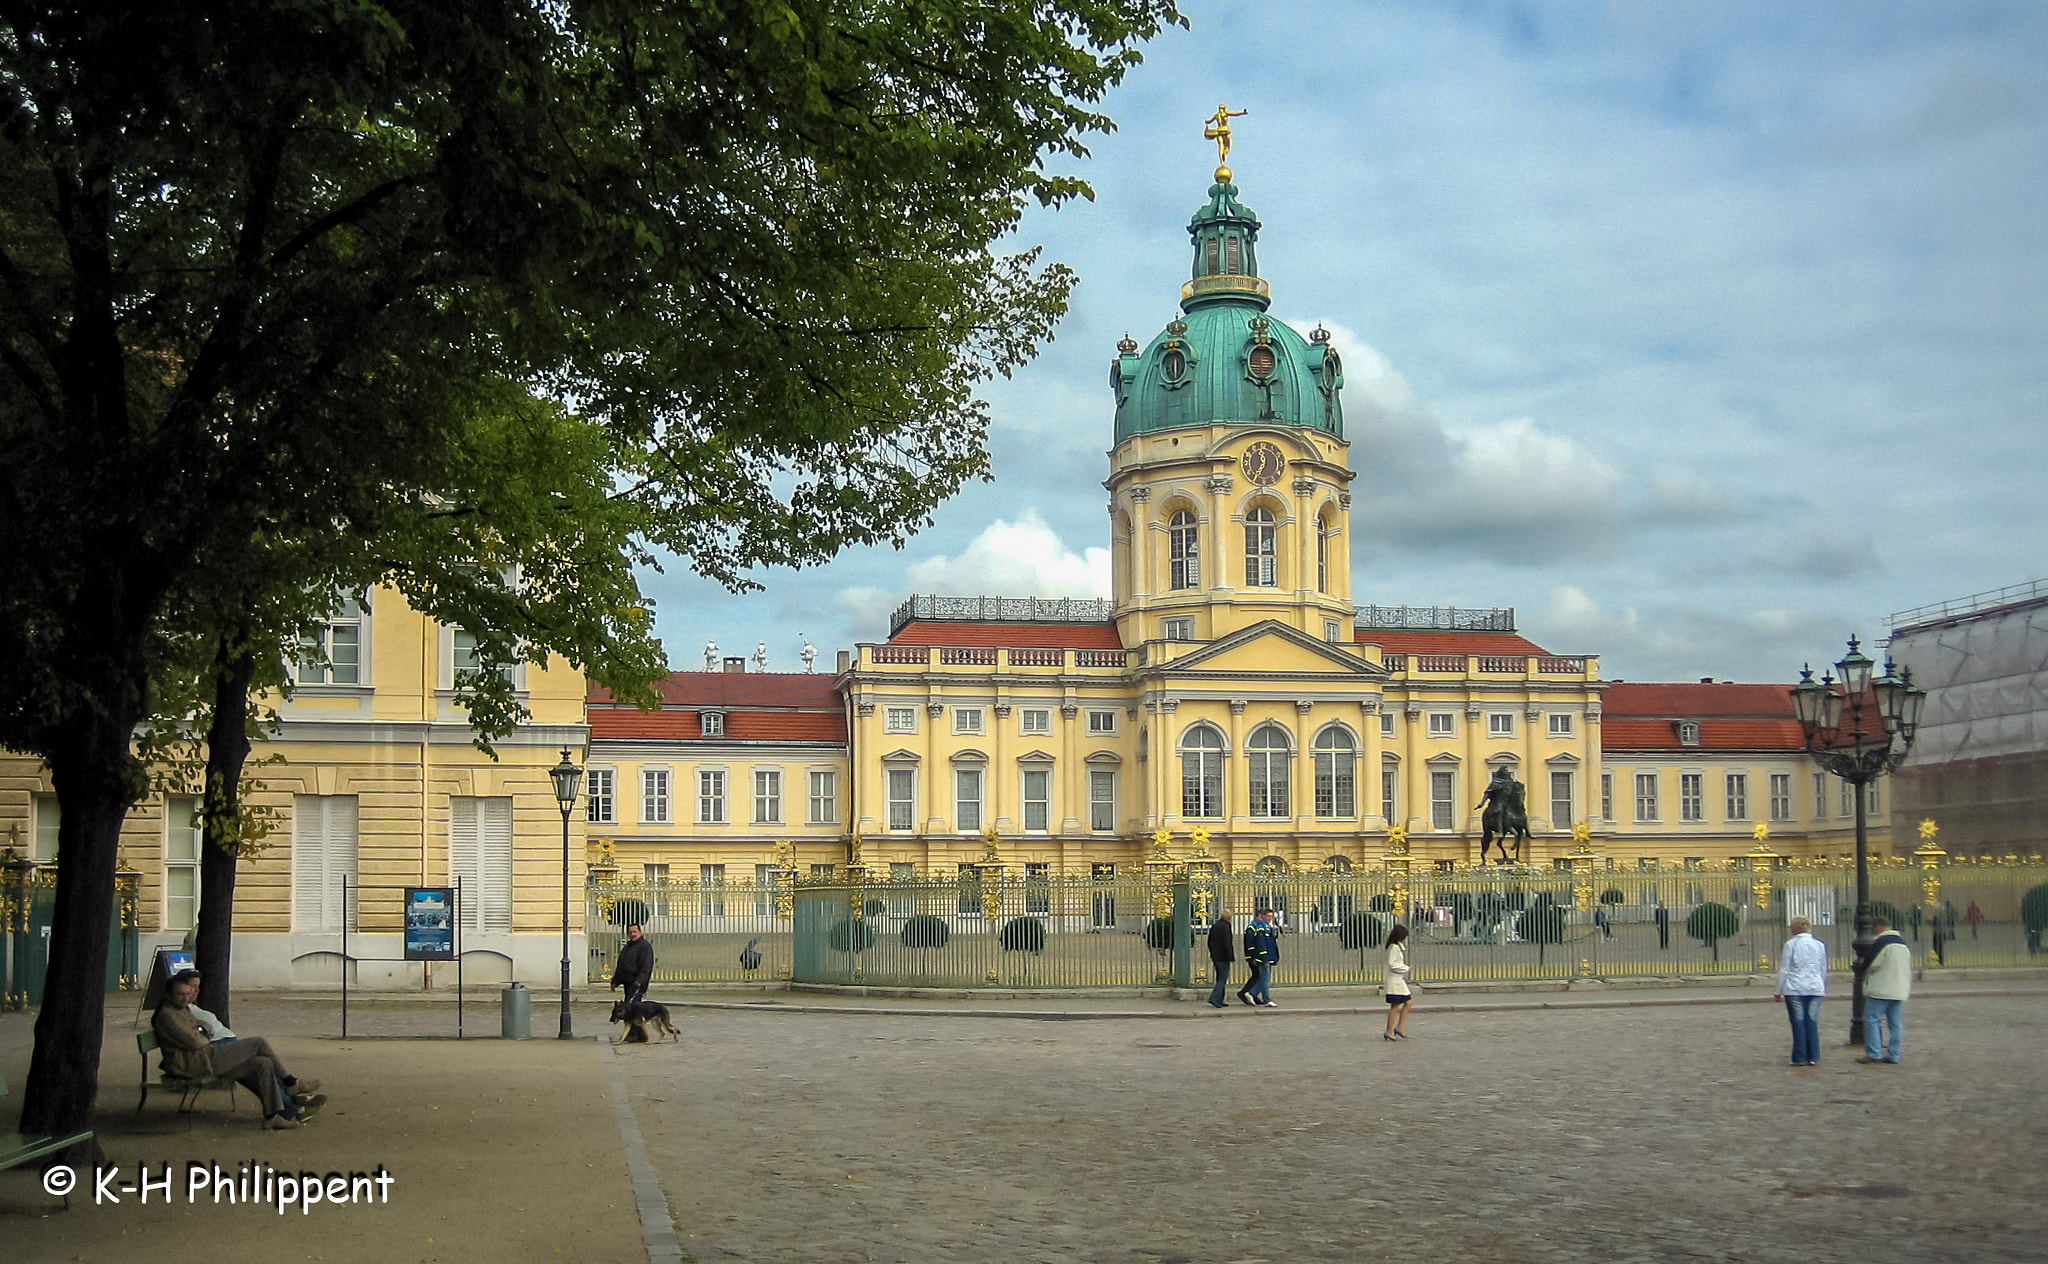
<point>1263,463</point>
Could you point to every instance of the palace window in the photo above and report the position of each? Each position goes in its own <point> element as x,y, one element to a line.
<point>1324,530</point>
<point>967,800</point>
<point>767,797</point>
<point>1201,773</point>
<point>1102,723</point>
<point>1037,886</point>
<point>1646,796</point>
<point>1848,799</point>
<point>1336,774</point>
<point>1688,733</point>
<point>480,853</point>
<point>599,805</point>
<point>765,882</point>
<point>1390,785</point>
<point>1820,796</point>
<point>1871,798</point>
<point>824,798</point>
<point>1183,541</point>
<point>1037,799</point>
<point>332,653</point>
<point>1101,800</point>
<point>1036,720</point>
<point>323,854</point>
<point>1691,797</point>
<point>1443,802</point>
<point>711,887</point>
<point>711,797</point>
<point>1563,804</point>
<point>1442,724</point>
<point>1781,796</point>
<point>1500,724</point>
<point>1386,724</point>
<point>1261,561</point>
<point>711,723</point>
<point>1560,724</point>
<point>1606,796</point>
<point>1738,796</point>
<point>1269,759</point>
<point>1177,629</point>
<point>654,796</point>
<point>49,817</point>
<point>181,863</point>
<point>902,798</point>
<point>656,878</point>
<point>466,659</point>
<point>1333,631</point>
<point>899,720</point>
<point>968,720</point>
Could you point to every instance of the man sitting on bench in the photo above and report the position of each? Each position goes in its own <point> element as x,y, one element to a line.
<point>216,1030</point>
<point>287,1100</point>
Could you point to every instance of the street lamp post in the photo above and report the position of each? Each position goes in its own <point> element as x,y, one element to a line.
<point>567,777</point>
<point>1859,734</point>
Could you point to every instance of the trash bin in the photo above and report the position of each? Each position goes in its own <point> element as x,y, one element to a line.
<point>515,1021</point>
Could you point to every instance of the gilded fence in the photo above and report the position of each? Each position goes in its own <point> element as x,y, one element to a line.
<point>990,927</point>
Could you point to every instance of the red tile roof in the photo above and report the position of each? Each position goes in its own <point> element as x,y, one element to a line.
<point>1395,641</point>
<point>758,707</point>
<point>1643,716</point>
<point>1071,636</point>
<point>739,689</point>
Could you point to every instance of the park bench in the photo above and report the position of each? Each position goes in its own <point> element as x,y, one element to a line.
<point>19,1148</point>
<point>188,1088</point>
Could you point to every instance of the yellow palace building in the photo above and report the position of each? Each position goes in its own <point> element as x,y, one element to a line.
<point>1229,683</point>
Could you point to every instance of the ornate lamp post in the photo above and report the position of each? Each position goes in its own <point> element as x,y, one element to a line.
<point>567,777</point>
<point>1859,734</point>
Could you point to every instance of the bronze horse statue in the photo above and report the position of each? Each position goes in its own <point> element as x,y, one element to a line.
<point>1503,815</point>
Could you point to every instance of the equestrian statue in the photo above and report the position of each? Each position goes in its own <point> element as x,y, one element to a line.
<point>1503,815</point>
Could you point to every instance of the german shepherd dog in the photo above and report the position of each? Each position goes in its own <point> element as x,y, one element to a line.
<point>637,1015</point>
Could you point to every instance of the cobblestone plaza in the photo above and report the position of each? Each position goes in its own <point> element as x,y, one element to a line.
<point>1651,1125</point>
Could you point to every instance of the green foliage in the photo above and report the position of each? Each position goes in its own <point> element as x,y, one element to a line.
<point>851,936</point>
<point>1159,934</point>
<point>926,931</point>
<point>1711,923</point>
<point>1022,934</point>
<point>1360,931</point>
<point>1542,923</point>
<point>1381,903</point>
<point>629,912</point>
<point>1613,895</point>
<point>2034,910</point>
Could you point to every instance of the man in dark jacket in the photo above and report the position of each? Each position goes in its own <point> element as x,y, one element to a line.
<point>635,969</point>
<point>1222,951</point>
<point>1261,954</point>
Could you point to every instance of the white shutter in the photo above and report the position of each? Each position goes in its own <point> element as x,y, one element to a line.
<point>480,854</point>
<point>323,854</point>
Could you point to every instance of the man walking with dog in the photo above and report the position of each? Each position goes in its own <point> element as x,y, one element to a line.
<point>635,969</point>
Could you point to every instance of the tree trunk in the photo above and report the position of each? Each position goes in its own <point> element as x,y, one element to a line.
<point>97,779</point>
<point>227,750</point>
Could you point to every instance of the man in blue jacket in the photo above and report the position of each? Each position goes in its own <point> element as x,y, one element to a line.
<point>1261,953</point>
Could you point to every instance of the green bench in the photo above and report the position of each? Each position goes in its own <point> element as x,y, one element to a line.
<point>17,1148</point>
<point>187,1088</point>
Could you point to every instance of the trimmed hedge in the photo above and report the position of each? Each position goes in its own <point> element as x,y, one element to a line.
<point>926,931</point>
<point>1159,934</point>
<point>1711,923</point>
<point>1022,934</point>
<point>630,913</point>
<point>851,936</point>
<point>1361,931</point>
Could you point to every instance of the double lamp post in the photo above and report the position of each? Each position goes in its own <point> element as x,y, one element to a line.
<point>1859,729</point>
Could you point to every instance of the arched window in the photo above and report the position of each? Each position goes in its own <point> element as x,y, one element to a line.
<point>1214,247</point>
<point>1233,256</point>
<point>1201,772</point>
<point>1269,758</point>
<point>1261,567</point>
<point>1183,541</point>
<point>1336,773</point>
<point>1323,530</point>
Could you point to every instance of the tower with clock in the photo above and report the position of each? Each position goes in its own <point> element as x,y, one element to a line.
<point>1229,479</point>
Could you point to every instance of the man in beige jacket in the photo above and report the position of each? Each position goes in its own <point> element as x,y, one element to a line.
<point>188,1051</point>
<point>1887,981</point>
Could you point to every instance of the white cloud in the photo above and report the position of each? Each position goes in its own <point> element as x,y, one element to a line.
<point>1025,558</point>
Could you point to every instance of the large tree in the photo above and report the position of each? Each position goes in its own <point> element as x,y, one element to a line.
<point>262,260</point>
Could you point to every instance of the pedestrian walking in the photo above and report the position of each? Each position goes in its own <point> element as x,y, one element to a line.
<point>1887,981</point>
<point>635,969</point>
<point>1663,926</point>
<point>1222,951</point>
<point>1802,982</point>
<point>1399,994</point>
<point>1261,954</point>
<point>1975,917</point>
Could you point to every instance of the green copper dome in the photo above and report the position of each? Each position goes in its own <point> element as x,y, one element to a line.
<point>1225,360</point>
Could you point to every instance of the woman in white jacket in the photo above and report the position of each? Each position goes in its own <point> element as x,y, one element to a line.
<point>1398,995</point>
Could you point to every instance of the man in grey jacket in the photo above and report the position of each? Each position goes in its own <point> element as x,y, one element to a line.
<point>1887,980</point>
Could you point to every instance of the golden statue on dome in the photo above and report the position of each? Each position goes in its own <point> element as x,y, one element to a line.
<point>1218,130</point>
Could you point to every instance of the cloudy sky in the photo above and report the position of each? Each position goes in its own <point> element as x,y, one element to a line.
<point>1703,334</point>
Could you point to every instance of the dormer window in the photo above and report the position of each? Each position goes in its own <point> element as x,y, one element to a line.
<point>1173,366</point>
<point>1261,362</point>
<point>1688,732</point>
<point>711,723</point>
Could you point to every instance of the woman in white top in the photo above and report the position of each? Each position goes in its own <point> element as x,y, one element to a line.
<point>1398,995</point>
